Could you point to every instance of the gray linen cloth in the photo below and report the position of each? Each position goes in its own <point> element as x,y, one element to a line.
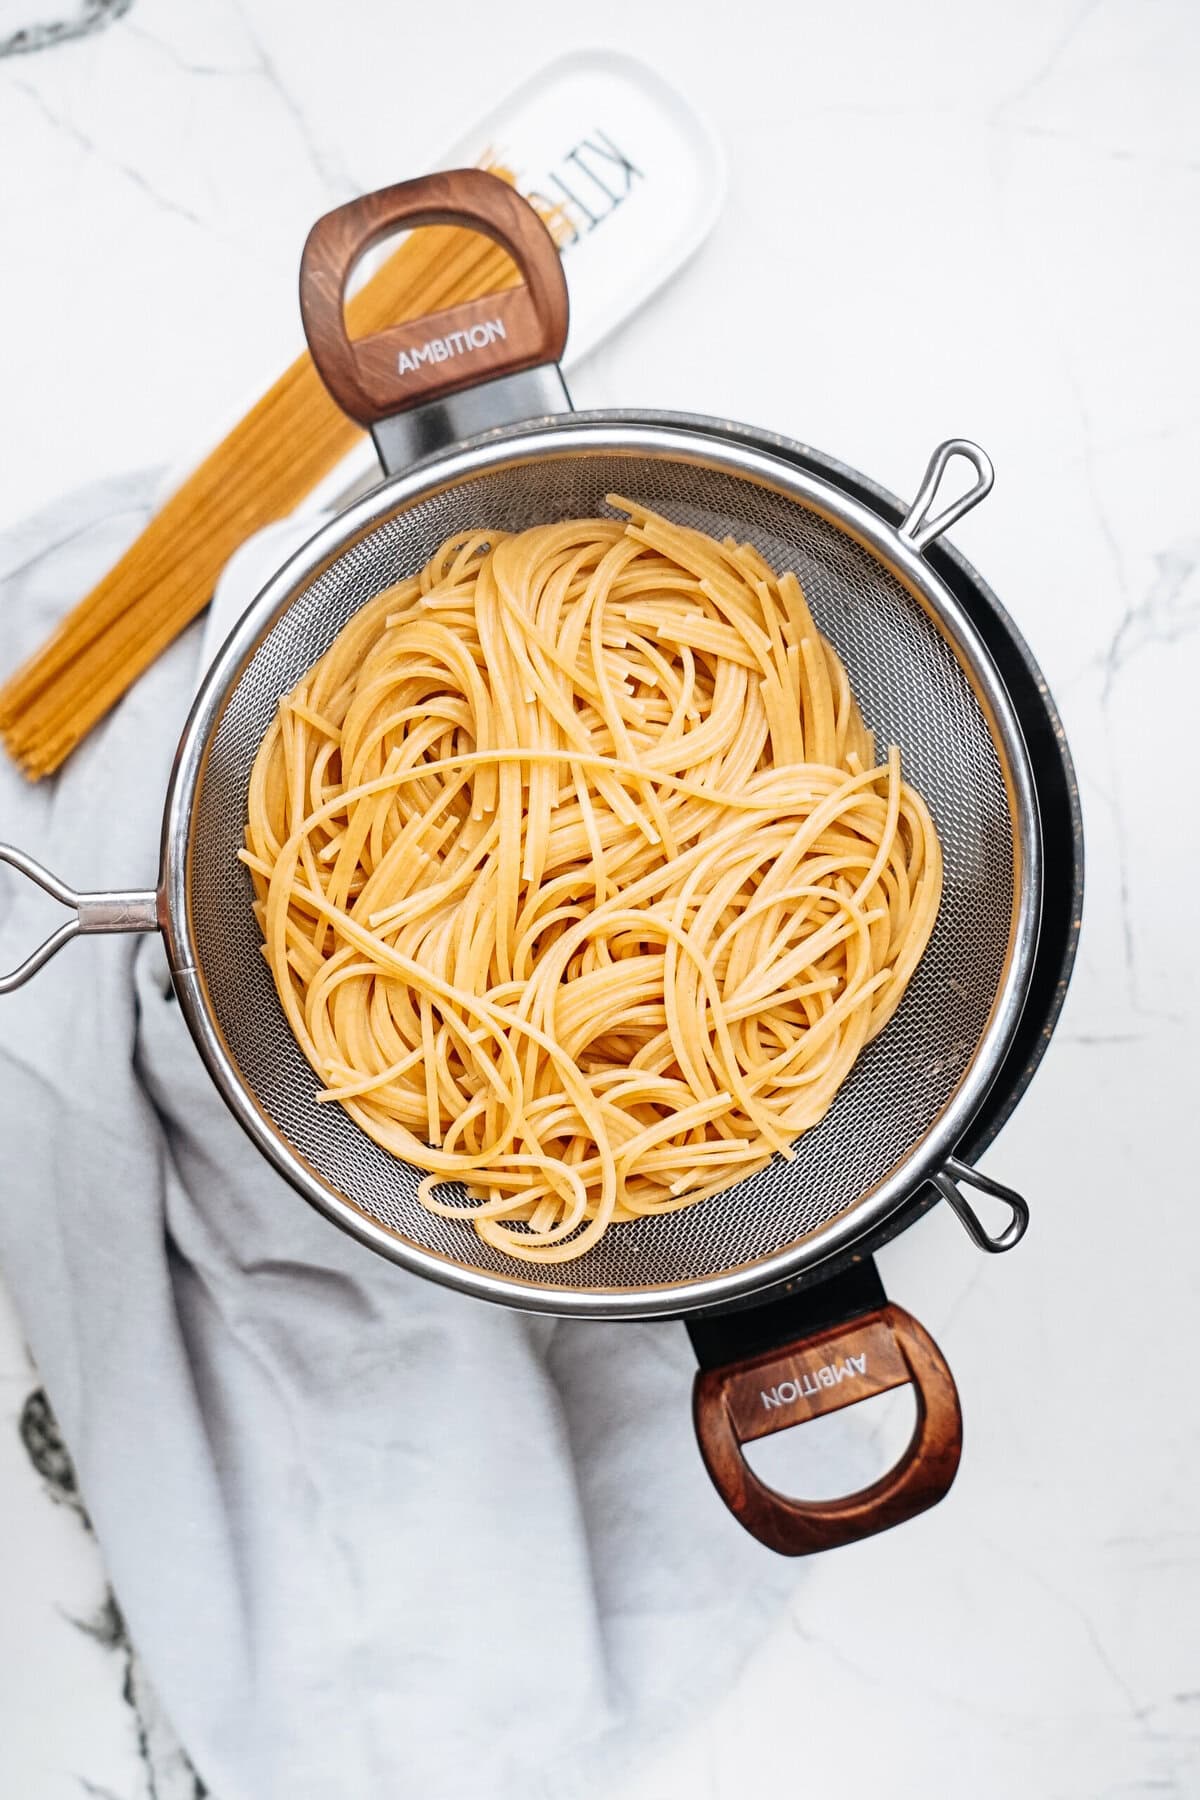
<point>369,1537</point>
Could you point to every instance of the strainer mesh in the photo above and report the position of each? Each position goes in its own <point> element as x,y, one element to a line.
<point>912,691</point>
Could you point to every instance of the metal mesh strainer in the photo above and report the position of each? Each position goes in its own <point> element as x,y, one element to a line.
<point>924,682</point>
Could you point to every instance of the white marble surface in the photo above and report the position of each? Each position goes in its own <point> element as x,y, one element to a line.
<point>942,218</point>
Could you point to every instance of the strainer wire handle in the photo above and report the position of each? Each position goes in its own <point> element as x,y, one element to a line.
<point>950,1180</point>
<point>117,910</point>
<point>918,528</point>
<point>823,1372</point>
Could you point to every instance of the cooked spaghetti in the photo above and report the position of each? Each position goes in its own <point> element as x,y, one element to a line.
<point>577,876</point>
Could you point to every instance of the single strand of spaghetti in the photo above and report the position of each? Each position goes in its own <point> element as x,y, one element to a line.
<point>432,1109</point>
<point>843,700</point>
<point>303,710</point>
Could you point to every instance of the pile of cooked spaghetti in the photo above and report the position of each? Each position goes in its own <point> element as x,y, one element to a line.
<point>577,875</point>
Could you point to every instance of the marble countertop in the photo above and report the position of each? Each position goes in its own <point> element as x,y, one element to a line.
<point>942,219</point>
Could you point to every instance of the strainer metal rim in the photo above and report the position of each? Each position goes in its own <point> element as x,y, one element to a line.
<point>599,434</point>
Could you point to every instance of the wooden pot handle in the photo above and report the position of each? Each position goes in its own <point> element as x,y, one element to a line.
<point>833,1368</point>
<point>405,365</point>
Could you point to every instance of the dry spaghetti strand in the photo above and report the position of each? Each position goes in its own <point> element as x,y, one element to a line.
<point>577,875</point>
<point>274,456</point>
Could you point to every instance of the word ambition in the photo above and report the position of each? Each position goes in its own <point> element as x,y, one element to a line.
<point>829,1375</point>
<point>455,343</point>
